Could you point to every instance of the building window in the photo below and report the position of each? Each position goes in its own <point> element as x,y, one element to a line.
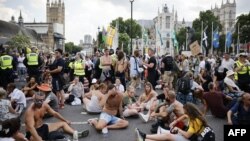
<point>230,14</point>
<point>168,44</point>
<point>167,21</point>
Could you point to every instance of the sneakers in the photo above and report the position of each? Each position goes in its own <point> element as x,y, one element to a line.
<point>145,118</point>
<point>105,130</point>
<point>77,135</point>
<point>140,135</point>
<point>83,134</point>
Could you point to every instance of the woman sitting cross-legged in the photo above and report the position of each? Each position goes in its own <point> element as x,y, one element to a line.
<point>30,88</point>
<point>95,99</point>
<point>197,124</point>
<point>129,103</point>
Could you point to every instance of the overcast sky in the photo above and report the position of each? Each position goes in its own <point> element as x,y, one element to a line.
<point>84,16</point>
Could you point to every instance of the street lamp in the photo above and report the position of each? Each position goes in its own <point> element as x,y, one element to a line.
<point>137,37</point>
<point>131,26</point>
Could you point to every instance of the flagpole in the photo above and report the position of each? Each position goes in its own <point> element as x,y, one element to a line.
<point>212,39</point>
<point>201,36</point>
<point>238,39</point>
<point>226,41</point>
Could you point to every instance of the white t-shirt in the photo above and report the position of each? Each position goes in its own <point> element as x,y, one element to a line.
<point>120,88</point>
<point>133,64</point>
<point>202,65</point>
<point>18,96</point>
<point>228,64</point>
<point>90,64</point>
<point>4,108</point>
<point>211,61</point>
<point>20,62</point>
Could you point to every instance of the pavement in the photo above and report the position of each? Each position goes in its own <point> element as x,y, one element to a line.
<point>79,122</point>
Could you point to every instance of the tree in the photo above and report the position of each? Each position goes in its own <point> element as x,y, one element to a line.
<point>19,42</point>
<point>244,27</point>
<point>124,31</point>
<point>71,48</point>
<point>208,18</point>
<point>181,36</point>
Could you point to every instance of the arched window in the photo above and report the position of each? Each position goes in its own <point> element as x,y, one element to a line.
<point>168,44</point>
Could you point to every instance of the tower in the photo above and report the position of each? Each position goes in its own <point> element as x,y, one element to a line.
<point>56,13</point>
<point>20,19</point>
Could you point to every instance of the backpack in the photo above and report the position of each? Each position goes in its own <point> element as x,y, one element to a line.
<point>169,61</point>
<point>207,66</point>
<point>206,135</point>
<point>184,85</point>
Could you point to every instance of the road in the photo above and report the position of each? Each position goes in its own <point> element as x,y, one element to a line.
<point>73,113</point>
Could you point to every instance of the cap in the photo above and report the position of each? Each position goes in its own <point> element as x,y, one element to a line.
<point>44,87</point>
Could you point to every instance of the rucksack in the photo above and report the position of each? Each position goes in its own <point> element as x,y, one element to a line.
<point>184,85</point>
<point>207,66</point>
<point>206,135</point>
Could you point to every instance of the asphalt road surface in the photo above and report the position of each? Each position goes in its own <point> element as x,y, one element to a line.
<point>79,122</point>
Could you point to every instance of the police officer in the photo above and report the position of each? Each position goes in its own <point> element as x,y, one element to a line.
<point>79,67</point>
<point>6,69</point>
<point>33,62</point>
<point>242,75</point>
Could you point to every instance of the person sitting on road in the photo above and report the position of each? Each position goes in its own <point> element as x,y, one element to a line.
<point>232,89</point>
<point>217,107</point>
<point>129,103</point>
<point>9,130</point>
<point>37,130</point>
<point>147,98</point>
<point>30,88</point>
<point>196,125</point>
<point>47,79</point>
<point>75,91</point>
<point>95,99</point>
<point>242,109</point>
<point>6,110</point>
<point>17,98</point>
<point>108,118</point>
<point>50,97</point>
<point>119,86</point>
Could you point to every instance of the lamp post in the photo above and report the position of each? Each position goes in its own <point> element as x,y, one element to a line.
<point>137,43</point>
<point>131,50</point>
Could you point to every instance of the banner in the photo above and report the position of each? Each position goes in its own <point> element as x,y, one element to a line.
<point>195,48</point>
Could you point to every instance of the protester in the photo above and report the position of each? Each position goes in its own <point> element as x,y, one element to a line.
<point>6,110</point>
<point>37,130</point>
<point>30,88</point>
<point>108,118</point>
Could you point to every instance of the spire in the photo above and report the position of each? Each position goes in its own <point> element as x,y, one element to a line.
<point>47,1</point>
<point>20,19</point>
<point>227,1</point>
<point>211,6</point>
<point>183,21</point>
<point>234,2</point>
<point>173,9</point>
<point>222,3</point>
<point>34,20</point>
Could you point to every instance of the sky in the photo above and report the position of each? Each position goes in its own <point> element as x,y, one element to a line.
<point>85,16</point>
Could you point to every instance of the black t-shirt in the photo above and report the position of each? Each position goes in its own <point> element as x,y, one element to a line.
<point>220,76</point>
<point>168,63</point>
<point>152,60</point>
<point>205,85</point>
<point>58,62</point>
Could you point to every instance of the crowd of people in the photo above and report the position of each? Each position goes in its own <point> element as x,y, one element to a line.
<point>106,84</point>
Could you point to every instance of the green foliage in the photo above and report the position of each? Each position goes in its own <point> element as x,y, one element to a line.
<point>244,27</point>
<point>181,37</point>
<point>71,48</point>
<point>124,31</point>
<point>208,18</point>
<point>20,42</point>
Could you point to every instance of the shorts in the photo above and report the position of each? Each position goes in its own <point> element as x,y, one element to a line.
<point>42,131</point>
<point>57,84</point>
<point>109,119</point>
<point>168,77</point>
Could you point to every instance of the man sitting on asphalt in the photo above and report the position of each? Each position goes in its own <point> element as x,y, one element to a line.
<point>37,130</point>
<point>108,119</point>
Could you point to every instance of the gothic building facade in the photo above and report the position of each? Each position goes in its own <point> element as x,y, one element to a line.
<point>226,14</point>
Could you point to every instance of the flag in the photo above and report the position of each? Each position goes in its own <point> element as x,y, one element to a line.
<point>145,36</point>
<point>204,40</point>
<point>110,35</point>
<point>216,39</point>
<point>228,39</point>
<point>160,36</point>
<point>176,44</point>
<point>104,35</point>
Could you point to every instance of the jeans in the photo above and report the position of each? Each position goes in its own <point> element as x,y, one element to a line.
<point>184,98</point>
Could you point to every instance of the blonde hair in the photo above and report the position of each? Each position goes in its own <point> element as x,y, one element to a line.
<point>2,93</point>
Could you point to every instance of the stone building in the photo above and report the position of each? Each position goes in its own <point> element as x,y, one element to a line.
<point>226,13</point>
